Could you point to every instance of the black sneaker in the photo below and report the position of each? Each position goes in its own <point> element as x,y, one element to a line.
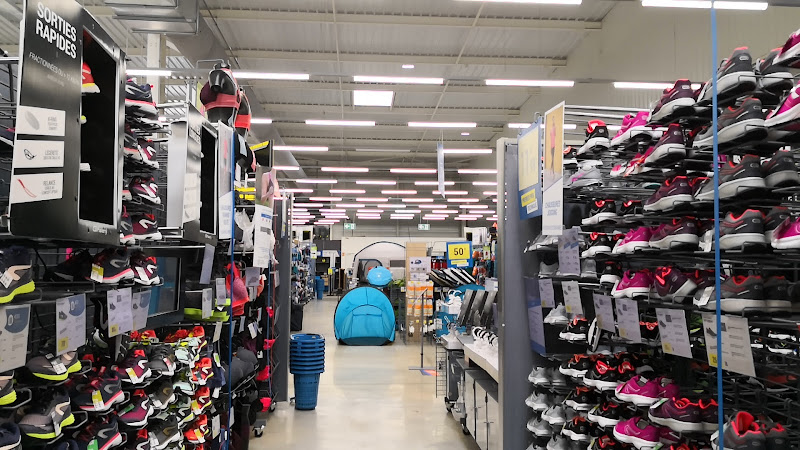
<point>780,170</point>
<point>736,125</point>
<point>40,417</point>
<point>161,358</point>
<point>598,243</point>
<point>746,229</point>
<point>649,331</point>
<point>76,268</point>
<point>775,79</point>
<point>735,179</point>
<point>126,228</point>
<point>597,137</point>
<point>775,217</point>
<point>631,207</point>
<point>576,330</point>
<point>162,395</point>
<point>114,266</point>
<point>139,100</point>
<point>601,211</point>
<point>606,414</point>
<point>570,156</point>
<point>612,273</point>
<point>602,376</point>
<point>776,291</point>
<point>582,398</point>
<point>17,275</point>
<point>164,432</point>
<point>579,429</point>
<point>734,78</point>
<point>101,434</point>
<point>577,366</point>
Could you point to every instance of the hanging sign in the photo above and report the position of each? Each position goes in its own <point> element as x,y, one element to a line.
<point>459,254</point>
<point>553,173</point>
<point>529,144</point>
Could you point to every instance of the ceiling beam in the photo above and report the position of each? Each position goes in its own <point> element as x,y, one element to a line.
<point>322,110</point>
<point>313,56</point>
<point>266,15</point>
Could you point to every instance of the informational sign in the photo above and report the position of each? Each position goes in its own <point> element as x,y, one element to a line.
<point>120,317</point>
<point>424,226</point>
<point>459,254</point>
<point>252,275</point>
<point>530,172</point>
<point>221,292</point>
<point>314,252</point>
<point>70,323</point>
<point>535,315</point>
<point>737,354</point>
<point>547,293</point>
<point>224,185</point>
<point>553,172</point>
<point>419,268</point>
<point>140,307</point>
<point>207,307</point>
<point>572,298</point>
<point>263,239</point>
<point>14,338</point>
<point>440,167</point>
<point>569,258</point>
<point>349,226</point>
<point>208,264</point>
<point>673,331</point>
<point>628,320</point>
<point>604,311</point>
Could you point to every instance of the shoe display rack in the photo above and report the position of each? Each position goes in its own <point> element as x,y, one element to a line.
<point>643,311</point>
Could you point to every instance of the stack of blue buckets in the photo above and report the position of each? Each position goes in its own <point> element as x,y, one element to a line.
<point>306,362</point>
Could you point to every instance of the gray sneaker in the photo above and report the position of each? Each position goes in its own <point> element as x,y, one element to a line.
<point>538,401</point>
<point>587,175</point>
<point>558,316</point>
<point>539,427</point>
<point>558,442</point>
<point>540,375</point>
<point>558,378</point>
<point>741,433</point>
<point>548,269</point>
<point>555,415</point>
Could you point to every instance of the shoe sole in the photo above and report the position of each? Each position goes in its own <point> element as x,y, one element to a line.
<point>667,203</point>
<point>786,243</point>
<point>572,336</point>
<point>672,107</point>
<point>738,305</point>
<point>8,399</point>
<point>26,288</point>
<point>584,183</point>
<point>609,279</point>
<point>597,218</point>
<point>90,88</point>
<point>149,413</point>
<point>601,385</point>
<point>667,153</point>
<point>733,83</point>
<point>750,129</point>
<point>157,236</point>
<point>119,397</point>
<point>781,179</point>
<point>594,143</point>
<point>578,406</point>
<point>638,400</point>
<point>635,441</point>
<point>791,115</point>
<point>147,108</point>
<point>593,251</point>
<point>736,241</point>
<point>631,292</point>
<point>684,291</point>
<point>676,240</point>
<point>788,58</point>
<point>112,443</point>
<point>69,420</point>
<point>733,188</point>
<point>124,275</point>
<point>630,134</point>
<point>602,421</point>
<point>631,247</point>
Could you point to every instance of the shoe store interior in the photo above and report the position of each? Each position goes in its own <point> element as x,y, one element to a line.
<point>396,224</point>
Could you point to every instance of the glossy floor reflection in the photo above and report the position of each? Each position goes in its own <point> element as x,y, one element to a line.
<point>368,399</point>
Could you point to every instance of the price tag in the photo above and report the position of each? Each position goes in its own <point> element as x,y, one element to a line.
<point>58,366</point>
<point>252,275</point>
<point>217,332</point>
<point>569,258</point>
<point>120,317</point>
<point>208,263</point>
<point>97,400</point>
<point>97,273</point>
<point>628,320</point>
<point>14,336</point>
<point>459,254</point>
<point>208,303</point>
<point>6,279</point>
<point>70,323</point>
<point>215,426</point>
<point>546,293</point>
<point>221,291</point>
<point>572,298</point>
<point>674,333</point>
<point>737,354</point>
<point>604,311</point>
<point>253,329</point>
<point>140,308</point>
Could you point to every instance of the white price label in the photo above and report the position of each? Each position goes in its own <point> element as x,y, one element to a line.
<point>546,293</point>
<point>221,291</point>
<point>14,336</point>
<point>572,298</point>
<point>628,320</point>
<point>604,311</point>
<point>569,259</point>
<point>737,354</point>
<point>120,317</point>
<point>70,323</point>
<point>674,333</point>
<point>140,309</point>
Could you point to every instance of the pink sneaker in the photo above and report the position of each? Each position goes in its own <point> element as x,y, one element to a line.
<point>619,170</point>
<point>790,53</point>
<point>639,390</point>
<point>638,432</point>
<point>635,127</point>
<point>626,123</point>
<point>633,284</point>
<point>638,238</point>
<point>667,388</point>
<point>788,111</point>
<point>787,235</point>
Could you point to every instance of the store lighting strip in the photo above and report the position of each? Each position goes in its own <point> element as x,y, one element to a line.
<point>531,83</point>
<point>347,191</point>
<point>646,85</point>
<point>398,192</point>
<point>314,181</point>
<point>148,73</point>
<point>299,148</point>
<point>442,124</point>
<point>478,171</point>
<point>450,193</point>
<point>397,80</point>
<point>433,183</point>
<point>345,169</point>
<point>467,151</point>
<point>247,75</point>
<point>706,4</point>
<point>411,170</point>
<point>535,2</point>
<point>260,121</point>
<point>377,182</point>
<point>286,168</point>
<point>341,123</point>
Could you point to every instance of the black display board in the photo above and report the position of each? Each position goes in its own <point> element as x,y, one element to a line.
<point>47,184</point>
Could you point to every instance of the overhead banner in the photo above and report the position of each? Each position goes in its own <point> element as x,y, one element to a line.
<point>553,173</point>
<point>530,169</point>
<point>440,166</point>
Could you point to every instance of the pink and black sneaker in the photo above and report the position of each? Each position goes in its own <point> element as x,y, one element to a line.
<point>787,112</point>
<point>672,193</point>
<point>670,148</point>
<point>676,101</point>
<point>138,410</point>
<point>135,367</point>
<point>145,269</point>
<point>635,239</point>
<point>789,55</point>
<point>638,432</point>
<point>670,283</point>
<point>635,127</point>
<point>146,189</point>
<point>633,284</point>
<point>145,228</point>
<point>787,235</point>
<point>679,233</point>
<point>639,390</point>
<point>772,77</point>
<point>146,154</point>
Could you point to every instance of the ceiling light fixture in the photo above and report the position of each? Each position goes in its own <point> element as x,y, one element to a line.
<point>286,168</point>
<point>396,80</point>
<point>383,150</point>
<point>410,170</point>
<point>433,183</point>
<point>706,4</point>
<point>314,181</point>
<point>442,124</point>
<point>308,205</point>
<point>299,148</point>
<point>477,171</point>
<point>467,151</point>
<point>372,98</point>
<point>450,193</point>
<point>402,217</point>
<point>539,2</point>
<point>648,85</point>
<point>345,169</point>
<point>333,210</point>
<point>260,121</point>
<point>341,123</point>
<point>325,199</point>
<point>474,206</point>
<point>350,205</point>
<point>377,182</point>
<point>398,192</point>
<point>484,183</point>
<point>417,200</point>
<point>444,211</point>
<point>148,73</point>
<point>407,66</point>
<point>462,200</point>
<point>410,211</point>
<point>519,125</point>
<point>531,83</point>
<point>298,190</point>
<point>347,191</point>
<point>247,75</point>
<point>372,200</point>
<point>489,193</point>
<point>434,218</point>
<point>431,206</point>
<point>466,133</point>
<point>370,211</point>
<point>369,217</point>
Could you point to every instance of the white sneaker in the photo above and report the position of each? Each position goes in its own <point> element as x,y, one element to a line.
<point>558,316</point>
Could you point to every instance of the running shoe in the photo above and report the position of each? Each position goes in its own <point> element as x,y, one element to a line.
<point>10,436</point>
<point>741,432</point>
<point>786,235</point>
<point>88,85</point>
<point>672,284</point>
<point>776,293</point>
<point>579,429</point>
<point>582,399</point>
<point>138,411</point>
<point>100,393</point>
<point>541,376</point>
<point>557,316</point>
<point>135,367</point>
<point>601,211</point>
<point>649,332</point>
<point>602,376</point>
<point>598,243</point>
<point>678,414</point>
<point>540,427</point>
<point>789,54</point>
<point>670,148</point>
<point>538,401</point>
<point>101,434</point>
<point>633,284</point>
<point>679,233</point>
<point>611,273</point>
<point>676,101</point>
<point>587,175</point>
<point>145,189</point>
<point>198,430</point>
<point>145,228</point>
<point>777,436</point>
<point>162,359</point>
<point>596,138</point>
<point>672,193</point>
<point>633,127</point>
<point>202,400</point>
<point>139,100</point>
<point>735,179</point>
<point>77,266</point>
<point>139,441</point>
<point>607,414</point>
<point>47,410</point>
<point>114,266</point>
<point>202,371</point>
<point>735,78</point>
<point>164,432</point>
<point>774,217</point>
<point>780,170</point>
<point>639,390</point>
<point>145,269</point>
<point>126,236</point>
<point>54,368</point>
<point>7,393</point>
<point>630,207</point>
<point>16,273</point>
<point>736,125</point>
<point>555,415</point>
<point>638,432</point>
<point>635,239</point>
<point>772,77</point>
<point>746,229</point>
<point>162,395</point>
<point>146,154</point>
<point>740,294</point>
<point>576,330</point>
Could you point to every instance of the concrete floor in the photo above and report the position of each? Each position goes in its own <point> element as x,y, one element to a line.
<point>368,399</point>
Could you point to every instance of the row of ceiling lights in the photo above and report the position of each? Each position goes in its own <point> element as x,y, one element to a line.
<point>699,4</point>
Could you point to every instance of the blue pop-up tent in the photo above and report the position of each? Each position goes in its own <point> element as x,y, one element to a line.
<point>364,317</point>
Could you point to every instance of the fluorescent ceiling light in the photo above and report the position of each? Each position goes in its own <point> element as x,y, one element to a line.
<point>299,209</point>
<point>286,168</point>
<point>433,183</point>
<point>243,74</point>
<point>350,205</point>
<point>299,148</point>
<point>260,121</point>
<point>396,80</point>
<point>372,200</point>
<point>341,123</point>
<point>450,193</point>
<point>434,218</point>
<point>314,181</point>
<point>431,206</point>
<point>748,6</point>
<point>408,66</point>
<point>333,210</point>
<point>467,151</point>
<point>567,126</point>
<point>519,125</point>
<point>410,170</point>
<point>417,200</point>
<point>334,216</point>
<point>402,217</point>
<point>484,183</point>
<point>488,193</point>
<point>706,4</point>
<point>148,73</point>
<point>399,192</point>
<point>377,182</point>
<point>345,169</point>
<point>537,83</point>
<point>308,205</point>
<point>325,199</point>
<point>444,211</point>
<point>394,205</point>
<point>384,150</point>
<point>647,85</point>
<point>369,217</point>
<point>539,2</point>
<point>372,98</point>
<point>474,206</point>
<point>467,218</point>
<point>409,211</point>
<point>442,124</point>
<point>298,190</point>
<point>466,133</point>
<point>462,200</point>
<point>347,191</point>
<point>370,211</point>
<point>477,171</point>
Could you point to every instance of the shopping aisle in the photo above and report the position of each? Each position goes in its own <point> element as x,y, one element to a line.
<point>367,399</point>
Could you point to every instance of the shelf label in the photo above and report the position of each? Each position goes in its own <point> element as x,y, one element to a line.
<point>673,331</point>
<point>569,258</point>
<point>628,320</point>
<point>604,311</point>
<point>572,298</point>
<point>120,317</point>
<point>737,354</point>
<point>14,338</point>
<point>547,293</point>
<point>70,323</point>
<point>208,303</point>
<point>140,308</point>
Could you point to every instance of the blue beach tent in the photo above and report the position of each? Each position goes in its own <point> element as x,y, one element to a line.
<point>364,317</point>
<point>379,276</point>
